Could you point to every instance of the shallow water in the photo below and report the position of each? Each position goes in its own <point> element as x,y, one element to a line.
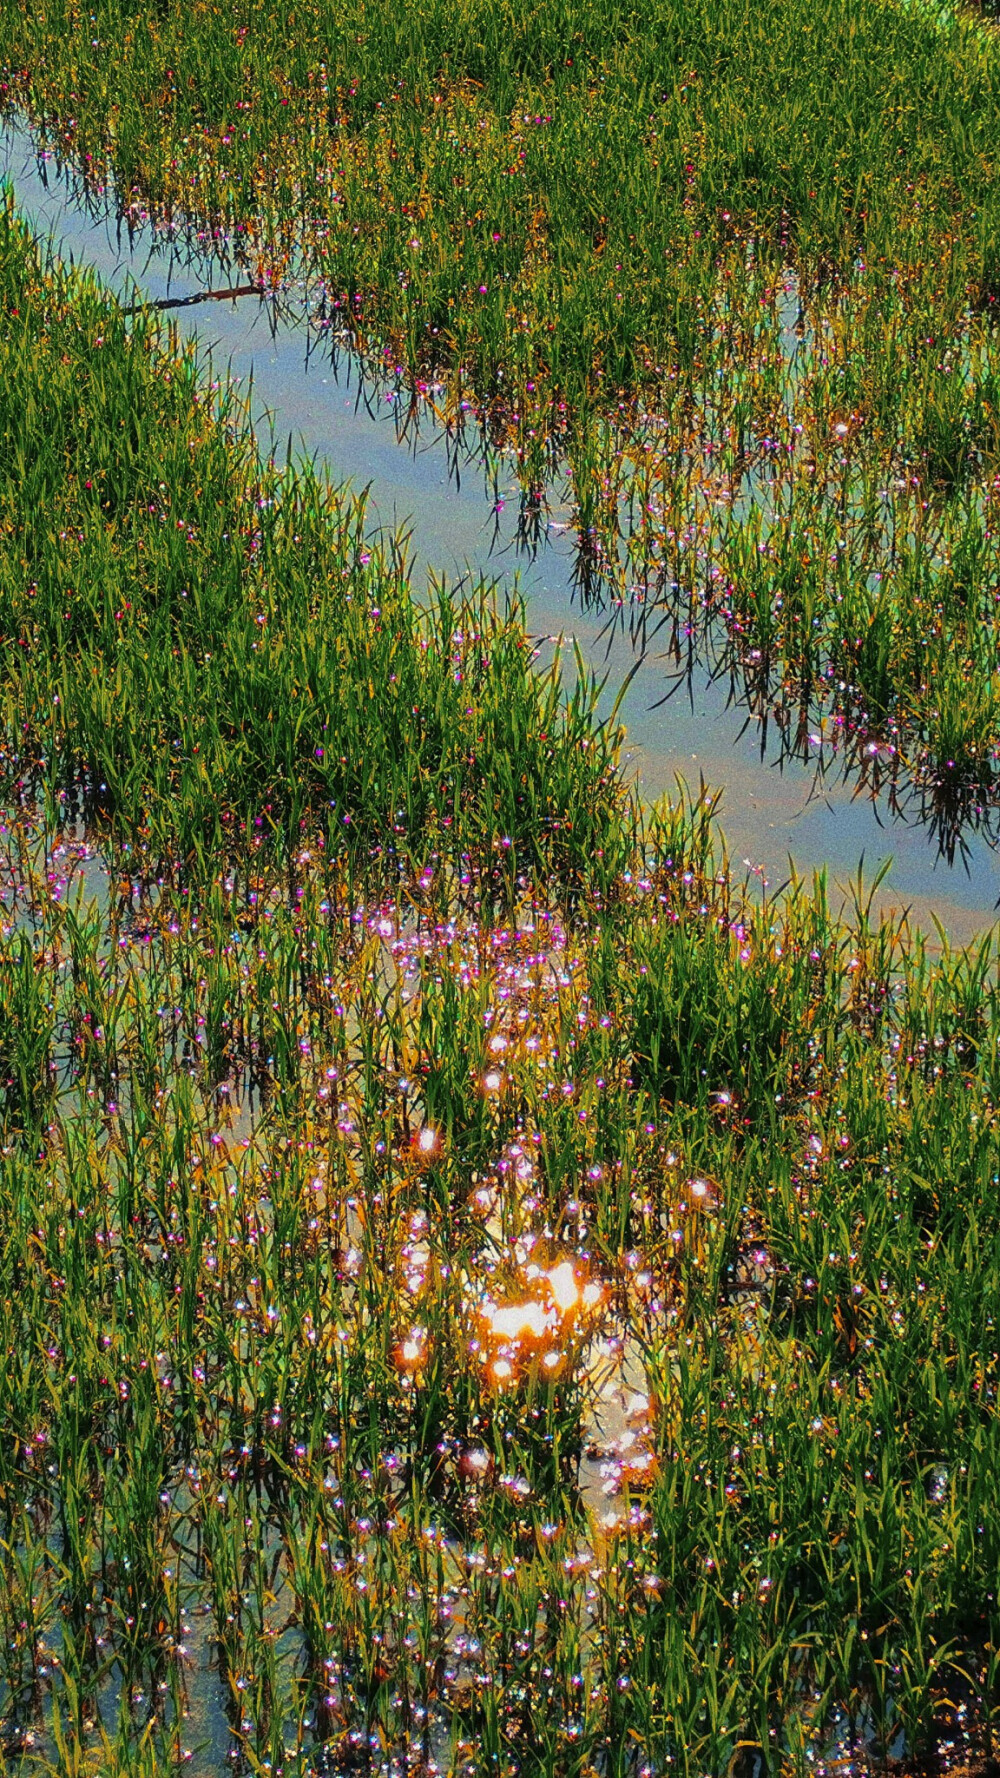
<point>772,812</point>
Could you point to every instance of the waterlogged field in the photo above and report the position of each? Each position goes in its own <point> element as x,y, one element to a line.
<point>481,1292</point>
<point>726,278</point>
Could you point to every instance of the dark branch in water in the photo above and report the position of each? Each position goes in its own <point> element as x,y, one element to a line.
<point>200,296</point>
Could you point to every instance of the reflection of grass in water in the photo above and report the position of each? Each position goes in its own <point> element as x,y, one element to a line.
<point>257,1376</point>
<point>543,192</point>
<point>326,1375</point>
<point>726,271</point>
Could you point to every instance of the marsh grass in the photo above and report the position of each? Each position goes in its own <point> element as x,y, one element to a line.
<point>339,1159</point>
<point>214,651</point>
<point>732,276</point>
<point>265,1160</point>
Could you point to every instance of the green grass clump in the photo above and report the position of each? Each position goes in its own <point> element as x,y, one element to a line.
<point>211,650</point>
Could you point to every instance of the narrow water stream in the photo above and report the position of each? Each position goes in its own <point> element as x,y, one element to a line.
<point>771,811</point>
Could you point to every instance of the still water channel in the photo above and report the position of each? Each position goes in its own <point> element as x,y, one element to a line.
<point>773,811</point>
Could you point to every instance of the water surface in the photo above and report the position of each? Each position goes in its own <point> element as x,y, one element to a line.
<point>775,811</point>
